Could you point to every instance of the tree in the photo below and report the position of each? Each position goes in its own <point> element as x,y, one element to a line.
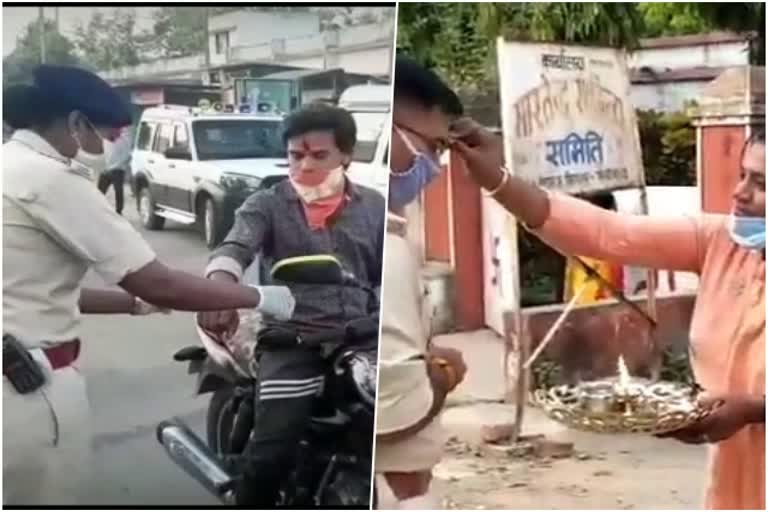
<point>669,148</point>
<point>109,41</point>
<point>672,19</point>
<point>447,37</point>
<point>740,17</point>
<point>669,19</point>
<point>459,39</point>
<point>18,66</point>
<point>180,31</point>
<point>606,24</point>
<point>177,31</point>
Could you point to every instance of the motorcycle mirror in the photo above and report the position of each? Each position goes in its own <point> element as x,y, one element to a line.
<point>316,269</point>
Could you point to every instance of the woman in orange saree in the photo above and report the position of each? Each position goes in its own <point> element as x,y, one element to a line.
<point>728,325</point>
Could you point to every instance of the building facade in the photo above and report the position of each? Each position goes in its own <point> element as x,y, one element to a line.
<point>246,43</point>
<point>668,72</point>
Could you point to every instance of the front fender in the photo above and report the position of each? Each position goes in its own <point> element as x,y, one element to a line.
<point>210,188</point>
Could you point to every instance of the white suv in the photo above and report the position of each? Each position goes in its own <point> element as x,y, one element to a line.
<point>370,107</point>
<point>198,168</point>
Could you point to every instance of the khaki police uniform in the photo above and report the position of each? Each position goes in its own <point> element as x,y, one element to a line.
<point>404,395</point>
<point>56,227</point>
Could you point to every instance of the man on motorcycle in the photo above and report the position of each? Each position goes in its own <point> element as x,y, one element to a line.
<point>317,210</point>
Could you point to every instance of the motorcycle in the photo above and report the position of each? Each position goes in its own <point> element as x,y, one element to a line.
<point>334,457</point>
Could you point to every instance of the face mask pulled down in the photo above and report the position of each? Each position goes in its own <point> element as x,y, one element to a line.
<point>405,187</point>
<point>321,194</point>
<point>747,232</point>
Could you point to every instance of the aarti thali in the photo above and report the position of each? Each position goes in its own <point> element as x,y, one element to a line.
<point>622,405</point>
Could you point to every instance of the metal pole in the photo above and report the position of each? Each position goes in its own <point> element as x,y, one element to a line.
<point>207,40</point>
<point>41,28</point>
<point>651,274</point>
<point>56,19</point>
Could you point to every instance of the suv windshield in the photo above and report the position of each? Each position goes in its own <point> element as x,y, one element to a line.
<point>225,139</point>
<point>369,126</point>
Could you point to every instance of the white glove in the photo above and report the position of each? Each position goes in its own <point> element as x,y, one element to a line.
<point>276,301</point>
<point>142,308</point>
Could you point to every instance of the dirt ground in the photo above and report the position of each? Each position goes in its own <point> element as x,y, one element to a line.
<point>603,472</point>
<point>605,479</point>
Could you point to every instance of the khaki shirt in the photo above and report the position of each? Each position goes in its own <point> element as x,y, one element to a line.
<point>405,393</point>
<point>56,226</point>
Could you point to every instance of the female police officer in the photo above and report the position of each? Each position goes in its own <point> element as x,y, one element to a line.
<point>57,226</point>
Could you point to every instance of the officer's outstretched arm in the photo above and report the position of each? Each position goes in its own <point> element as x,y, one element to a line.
<point>168,288</point>
<point>106,302</point>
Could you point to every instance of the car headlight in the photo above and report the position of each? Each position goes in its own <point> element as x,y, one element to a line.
<point>240,181</point>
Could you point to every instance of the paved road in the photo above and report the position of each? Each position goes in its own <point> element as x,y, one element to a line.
<point>133,384</point>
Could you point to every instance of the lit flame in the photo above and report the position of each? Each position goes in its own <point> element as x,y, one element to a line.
<point>624,378</point>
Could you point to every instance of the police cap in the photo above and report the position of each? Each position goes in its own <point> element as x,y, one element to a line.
<point>84,91</point>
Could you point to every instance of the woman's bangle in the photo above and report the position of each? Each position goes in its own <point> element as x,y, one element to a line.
<point>504,180</point>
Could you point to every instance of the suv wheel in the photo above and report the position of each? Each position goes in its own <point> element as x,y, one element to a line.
<point>210,223</point>
<point>146,206</point>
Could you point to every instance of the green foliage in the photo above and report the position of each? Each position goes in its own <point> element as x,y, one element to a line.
<point>671,18</point>
<point>668,141</point>
<point>109,41</point>
<point>542,271</point>
<point>176,32</point>
<point>741,17</point>
<point>445,36</point>
<point>459,40</point>
<point>18,66</point>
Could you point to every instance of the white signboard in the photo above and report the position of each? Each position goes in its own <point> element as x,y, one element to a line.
<point>148,97</point>
<point>567,120</point>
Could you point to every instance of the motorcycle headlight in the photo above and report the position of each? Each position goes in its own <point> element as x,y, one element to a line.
<point>240,181</point>
<point>362,371</point>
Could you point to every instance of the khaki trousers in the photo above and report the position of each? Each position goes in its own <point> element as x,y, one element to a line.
<point>46,439</point>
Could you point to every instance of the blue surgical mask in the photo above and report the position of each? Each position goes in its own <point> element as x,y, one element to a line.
<point>405,187</point>
<point>748,232</point>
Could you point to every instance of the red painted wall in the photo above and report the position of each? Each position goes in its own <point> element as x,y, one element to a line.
<point>720,155</point>
<point>437,242</point>
<point>467,238</point>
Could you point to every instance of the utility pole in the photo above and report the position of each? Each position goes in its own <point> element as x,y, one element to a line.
<point>56,19</point>
<point>207,39</point>
<point>41,27</point>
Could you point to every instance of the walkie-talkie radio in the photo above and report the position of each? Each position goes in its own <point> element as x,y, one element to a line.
<point>20,368</point>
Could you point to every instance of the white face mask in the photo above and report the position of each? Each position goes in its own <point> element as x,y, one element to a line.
<point>95,163</point>
<point>331,186</point>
